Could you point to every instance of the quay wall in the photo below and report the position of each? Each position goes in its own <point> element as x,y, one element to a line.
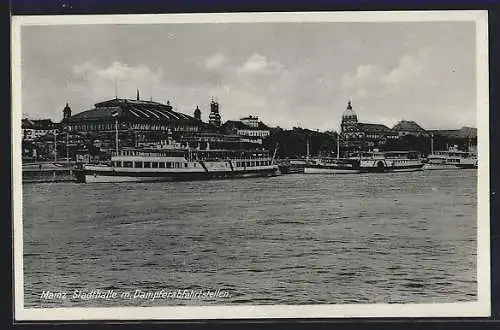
<point>48,175</point>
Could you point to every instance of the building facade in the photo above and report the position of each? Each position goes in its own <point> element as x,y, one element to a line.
<point>35,129</point>
<point>363,136</point>
<point>250,129</point>
<point>135,120</point>
<point>409,128</point>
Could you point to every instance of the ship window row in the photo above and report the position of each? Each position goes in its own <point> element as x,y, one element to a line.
<point>129,164</point>
<point>149,154</point>
<point>256,163</point>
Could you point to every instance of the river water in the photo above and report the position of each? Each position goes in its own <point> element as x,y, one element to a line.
<point>293,239</point>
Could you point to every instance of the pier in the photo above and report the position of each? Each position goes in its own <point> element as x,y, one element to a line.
<point>48,172</point>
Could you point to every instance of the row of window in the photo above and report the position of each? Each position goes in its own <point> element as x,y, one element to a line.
<point>150,154</point>
<point>38,132</point>
<point>369,136</point>
<point>129,164</point>
<point>111,126</point>
<point>139,164</point>
<point>253,133</point>
<point>256,163</point>
<point>403,160</point>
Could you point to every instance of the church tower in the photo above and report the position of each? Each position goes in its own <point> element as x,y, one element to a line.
<point>66,112</point>
<point>214,117</point>
<point>197,113</point>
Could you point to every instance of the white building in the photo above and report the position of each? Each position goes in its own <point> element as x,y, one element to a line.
<point>33,129</point>
<point>253,130</point>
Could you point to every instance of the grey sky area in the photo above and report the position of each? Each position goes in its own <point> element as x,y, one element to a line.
<point>288,74</point>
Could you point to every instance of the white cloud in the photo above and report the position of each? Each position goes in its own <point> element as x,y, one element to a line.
<point>258,64</point>
<point>412,75</point>
<point>421,86</point>
<point>215,61</point>
<point>101,82</point>
<point>117,70</point>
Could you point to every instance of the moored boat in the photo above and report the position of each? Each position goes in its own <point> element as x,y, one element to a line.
<point>451,159</point>
<point>173,164</point>
<point>327,165</point>
<point>389,161</point>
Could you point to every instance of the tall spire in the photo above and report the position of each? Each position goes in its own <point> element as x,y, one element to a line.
<point>137,94</point>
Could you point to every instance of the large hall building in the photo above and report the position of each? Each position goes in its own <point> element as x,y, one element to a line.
<point>136,121</point>
<point>137,115</point>
<point>141,122</point>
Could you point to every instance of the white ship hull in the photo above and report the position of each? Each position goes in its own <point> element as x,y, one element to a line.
<point>432,167</point>
<point>410,169</point>
<point>94,174</point>
<point>451,159</point>
<point>94,178</point>
<point>391,165</point>
<point>329,170</point>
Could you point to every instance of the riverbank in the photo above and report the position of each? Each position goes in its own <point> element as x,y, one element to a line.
<point>48,175</point>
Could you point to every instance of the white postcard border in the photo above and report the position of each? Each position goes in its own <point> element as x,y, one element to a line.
<point>481,308</point>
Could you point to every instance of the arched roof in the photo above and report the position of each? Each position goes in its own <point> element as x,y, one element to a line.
<point>133,110</point>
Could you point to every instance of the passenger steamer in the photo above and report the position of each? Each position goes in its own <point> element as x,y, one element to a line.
<point>174,164</point>
<point>390,161</point>
<point>360,162</point>
<point>364,162</point>
<point>451,159</point>
<point>326,165</point>
<point>329,165</point>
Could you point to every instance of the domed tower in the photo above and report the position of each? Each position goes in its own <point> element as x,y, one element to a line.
<point>66,112</point>
<point>197,113</point>
<point>214,117</point>
<point>349,119</point>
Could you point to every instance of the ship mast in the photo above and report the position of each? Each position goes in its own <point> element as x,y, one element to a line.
<point>338,147</point>
<point>432,144</point>
<point>115,115</point>
<point>274,155</point>
<point>307,145</point>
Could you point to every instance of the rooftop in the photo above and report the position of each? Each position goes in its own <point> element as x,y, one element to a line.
<point>42,124</point>
<point>409,126</point>
<point>240,125</point>
<point>133,110</point>
<point>464,132</point>
<point>374,128</point>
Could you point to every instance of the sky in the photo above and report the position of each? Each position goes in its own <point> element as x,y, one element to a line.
<point>287,74</point>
